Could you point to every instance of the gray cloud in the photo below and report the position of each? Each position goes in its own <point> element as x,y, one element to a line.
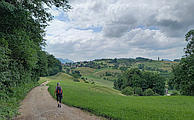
<point>147,28</point>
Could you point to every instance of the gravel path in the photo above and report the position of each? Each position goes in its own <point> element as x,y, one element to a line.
<point>39,105</point>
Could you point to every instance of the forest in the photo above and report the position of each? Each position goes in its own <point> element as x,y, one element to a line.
<point>22,57</point>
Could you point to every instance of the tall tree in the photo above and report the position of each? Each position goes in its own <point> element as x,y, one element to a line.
<point>189,50</point>
<point>22,25</point>
<point>183,73</point>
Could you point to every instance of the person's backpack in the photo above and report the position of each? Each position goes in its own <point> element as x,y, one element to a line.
<point>59,91</point>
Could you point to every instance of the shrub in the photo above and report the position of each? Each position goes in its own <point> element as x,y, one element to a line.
<point>76,80</point>
<point>138,91</point>
<point>156,94</point>
<point>175,93</point>
<point>86,81</point>
<point>128,91</point>
<point>148,92</point>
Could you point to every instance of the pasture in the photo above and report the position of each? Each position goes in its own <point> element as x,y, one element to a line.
<point>110,103</point>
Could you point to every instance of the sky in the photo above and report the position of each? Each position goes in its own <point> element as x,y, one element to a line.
<point>95,29</point>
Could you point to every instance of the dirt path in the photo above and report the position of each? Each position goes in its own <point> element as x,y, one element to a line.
<point>39,105</point>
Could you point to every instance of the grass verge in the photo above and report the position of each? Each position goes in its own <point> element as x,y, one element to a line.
<point>9,104</point>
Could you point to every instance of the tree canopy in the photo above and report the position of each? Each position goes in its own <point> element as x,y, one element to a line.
<point>39,8</point>
<point>22,59</point>
<point>189,37</point>
<point>136,78</point>
<point>183,73</point>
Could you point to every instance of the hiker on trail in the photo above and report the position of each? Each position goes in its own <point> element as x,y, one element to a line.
<point>59,94</point>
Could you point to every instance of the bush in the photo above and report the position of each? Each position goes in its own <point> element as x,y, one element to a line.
<point>127,91</point>
<point>76,80</point>
<point>86,81</point>
<point>175,93</point>
<point>135,95</point>
<point>138,91</point>
<point>156,94</point>
<point>148,92</point>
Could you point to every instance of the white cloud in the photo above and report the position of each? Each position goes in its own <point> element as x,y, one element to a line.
<point>147,28</point>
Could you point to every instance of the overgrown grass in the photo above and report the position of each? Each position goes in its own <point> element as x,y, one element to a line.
<point>110,104</point>
<point>9,103</point>
<point>42,80</point>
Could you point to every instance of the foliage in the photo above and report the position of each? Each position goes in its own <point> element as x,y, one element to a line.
<point>148,92</point>
<point>54,65</point>
<point>174,93</point>
<point>76,80</point>
<point>127,91</point>
<point>136,78</point>
<point>138,91</point>
<point>37,8</point>
<point>22,60</point>
<point>110,69</point>
<point>76,74</point>
<point>109,103</point>
<point>183,79</point>
<point>189,37</point>
<point>9,105</point>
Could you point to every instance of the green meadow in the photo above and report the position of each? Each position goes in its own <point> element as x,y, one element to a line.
<point>96,75</point>
<point>107,102</point>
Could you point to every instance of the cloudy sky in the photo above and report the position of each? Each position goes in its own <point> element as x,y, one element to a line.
<point>96,29</point>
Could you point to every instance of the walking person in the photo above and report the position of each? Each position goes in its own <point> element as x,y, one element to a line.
<point>59,94</point>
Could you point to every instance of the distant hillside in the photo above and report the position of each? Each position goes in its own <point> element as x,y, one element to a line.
<point>101,70</point>
<point>65,60</point>
<point>166,60</point>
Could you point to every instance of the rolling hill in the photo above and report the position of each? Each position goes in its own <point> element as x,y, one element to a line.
<point>106,71</point>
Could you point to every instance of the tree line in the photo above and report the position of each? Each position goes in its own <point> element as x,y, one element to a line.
<point>183,73</point>
<point>135,81</point>
<point>139,82</point>
<point>22,31</point>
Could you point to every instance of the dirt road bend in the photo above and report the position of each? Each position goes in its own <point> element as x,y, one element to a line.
<point>39,105</point>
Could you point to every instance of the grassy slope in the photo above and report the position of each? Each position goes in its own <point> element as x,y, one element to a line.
<point>97,75</point>
<point>104,101</point>
<point>165,65</point>
<point>92,74</point>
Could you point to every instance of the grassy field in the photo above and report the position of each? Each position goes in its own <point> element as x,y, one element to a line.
<point>94,74</point>
<point>164,65</point>
<point>107,102</point>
